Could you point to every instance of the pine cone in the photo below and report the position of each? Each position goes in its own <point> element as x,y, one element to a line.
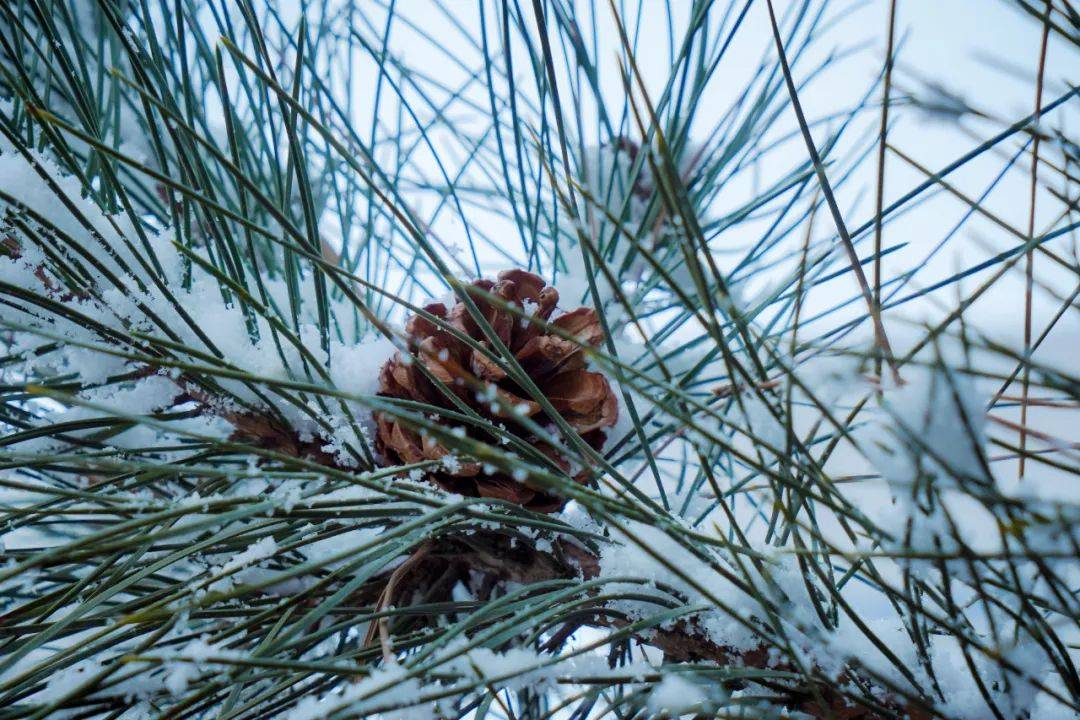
<point>556,365</point>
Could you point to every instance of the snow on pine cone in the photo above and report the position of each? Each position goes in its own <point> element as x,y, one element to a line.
<point>556,365</point>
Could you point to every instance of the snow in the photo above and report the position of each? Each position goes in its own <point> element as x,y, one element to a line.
<point>676,696</point>
<point>67,681</point>
<point>335,551</point>
<point>225,576</point>
<point>260,550</point>
<point>630,563</point>
<point>383,689</point>
<point>523,667</point>
<point>191,662</point>
<point>932,427</point>
<point>451,463</point>
<point>605,172</point>
<point>354,370</point>
<point>927,441</point>
<point>761,421</point>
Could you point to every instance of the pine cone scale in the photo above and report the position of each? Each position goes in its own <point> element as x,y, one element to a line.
<point>554,363</point>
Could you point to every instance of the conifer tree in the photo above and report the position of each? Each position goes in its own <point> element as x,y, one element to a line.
<point>530,360</point>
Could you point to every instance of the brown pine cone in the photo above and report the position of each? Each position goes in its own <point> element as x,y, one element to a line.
<point>556,365</point>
